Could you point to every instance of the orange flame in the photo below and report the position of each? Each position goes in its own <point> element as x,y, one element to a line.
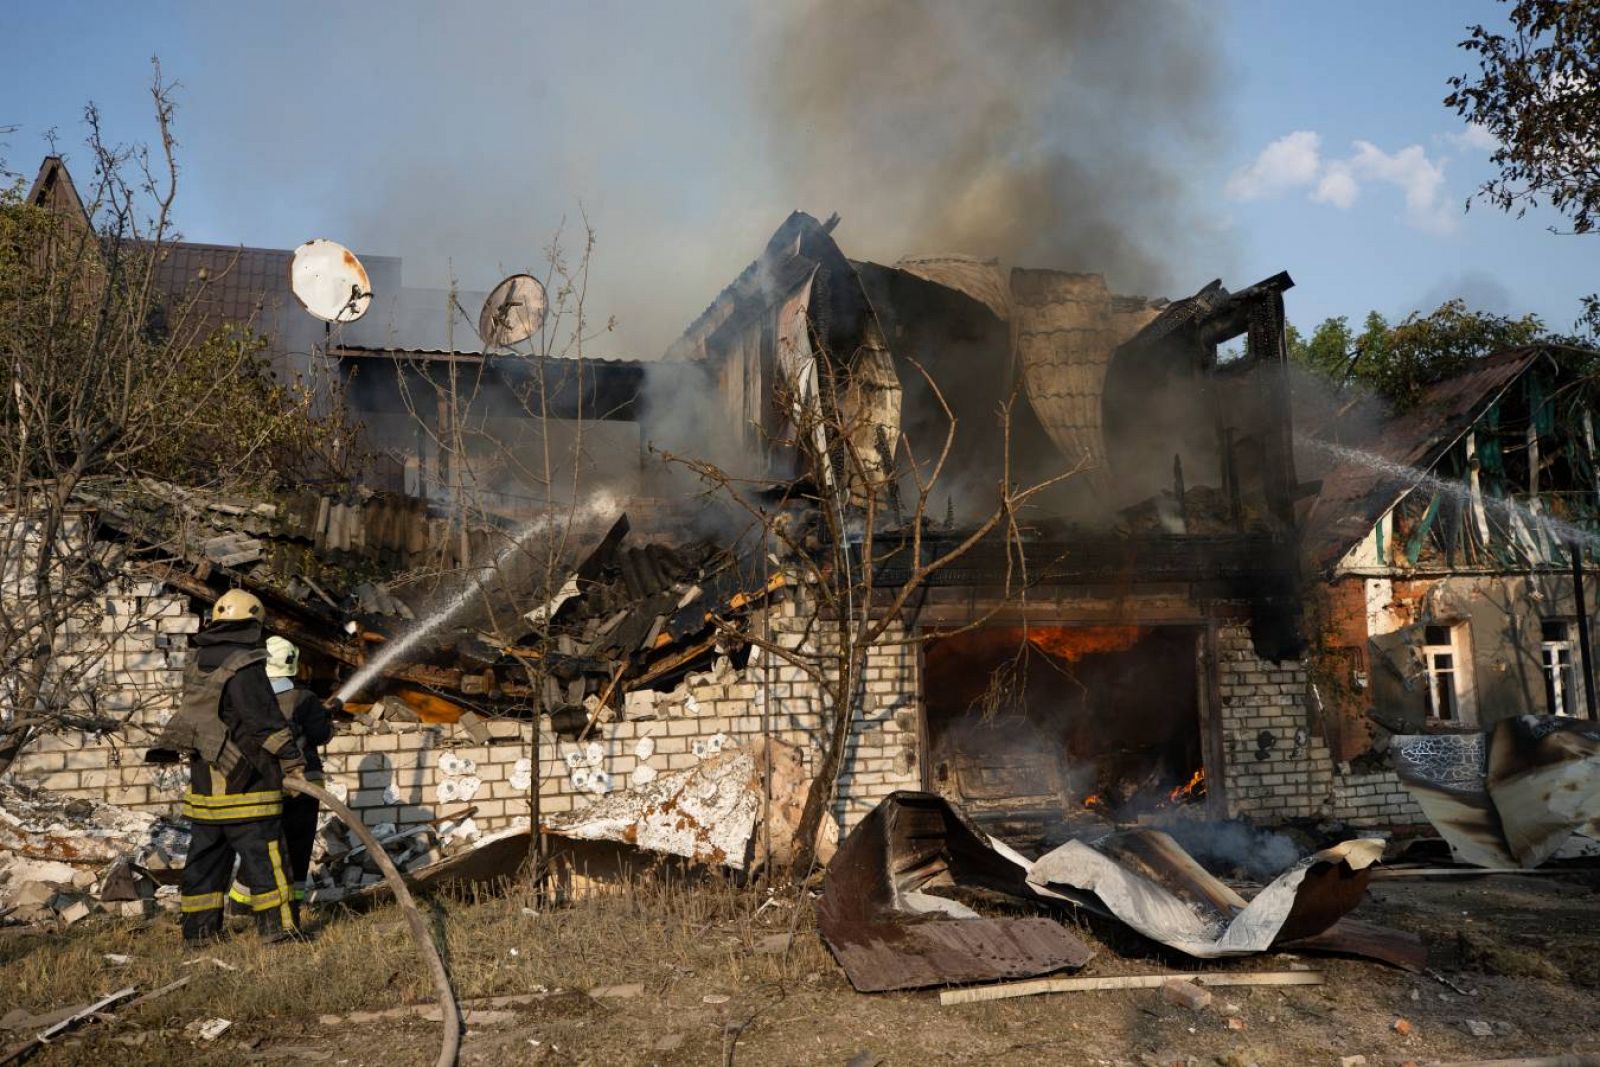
<point>1072,643</point>
<point>1092,800</point>
<point>1194,787</point>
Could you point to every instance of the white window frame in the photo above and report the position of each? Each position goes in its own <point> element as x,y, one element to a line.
<point>1564,700</point>
<point>1463,689</point>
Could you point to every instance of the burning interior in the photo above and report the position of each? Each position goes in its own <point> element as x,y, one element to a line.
<point>1036,731</point>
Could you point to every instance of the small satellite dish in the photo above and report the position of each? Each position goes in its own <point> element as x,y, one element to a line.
<point>512,313</point>
<point>329,281</point>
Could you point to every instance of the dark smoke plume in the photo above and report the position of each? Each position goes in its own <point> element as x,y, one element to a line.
<point>1042,132</point>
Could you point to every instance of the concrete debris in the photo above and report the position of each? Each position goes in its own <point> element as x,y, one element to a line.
<point>61,857</point>
<point>208,1029</point>
<point>1477,1028</point>
<point>1185,994</point>
<point>708,813</point>
<point>1352,1061</point>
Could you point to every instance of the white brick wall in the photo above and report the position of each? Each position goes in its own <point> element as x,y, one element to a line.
<point>1278,767</point>
<point>395,776</point>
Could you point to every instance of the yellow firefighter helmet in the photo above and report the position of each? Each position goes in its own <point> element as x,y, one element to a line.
<point>236,605</point>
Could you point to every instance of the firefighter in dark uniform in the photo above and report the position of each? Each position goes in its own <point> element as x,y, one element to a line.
<point>308,718</point>
<point>240,750</point>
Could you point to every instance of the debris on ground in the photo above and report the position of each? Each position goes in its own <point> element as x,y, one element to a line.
<point>208,1029</point>
<point>59,856</point>
<point>1185,994</point>
<point>888,915</point>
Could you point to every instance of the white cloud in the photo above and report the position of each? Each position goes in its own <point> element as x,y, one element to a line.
<point>1295,161</point>
<point>1475,138</point>
<point>1290,161</point>
<point>1337,187</point>
<point>1410,170</point>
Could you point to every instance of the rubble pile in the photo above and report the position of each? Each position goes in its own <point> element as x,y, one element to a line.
<point>65,858</point>
<point>341,865</point>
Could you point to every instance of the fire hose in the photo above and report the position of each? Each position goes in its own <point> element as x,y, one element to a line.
<point>448,1010</point>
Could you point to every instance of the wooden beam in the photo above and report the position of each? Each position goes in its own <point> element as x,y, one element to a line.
<point>1007,990</point>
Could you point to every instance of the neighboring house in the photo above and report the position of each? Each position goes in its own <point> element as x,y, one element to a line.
<point>1443,538</point>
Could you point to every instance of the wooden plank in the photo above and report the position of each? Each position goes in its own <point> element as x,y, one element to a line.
<point>1008,990</point>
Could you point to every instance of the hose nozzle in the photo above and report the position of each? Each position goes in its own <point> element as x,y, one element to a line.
<point>333,704</point>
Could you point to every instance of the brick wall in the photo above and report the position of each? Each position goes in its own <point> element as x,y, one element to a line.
<point>400,774</point>
<point>1276,767</point>
<point>1279,767</point>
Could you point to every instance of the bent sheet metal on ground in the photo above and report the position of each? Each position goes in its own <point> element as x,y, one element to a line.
<point>1523,792</point>
<point>1145,879</point>
<point>884,922</point>
<point>888,914</point>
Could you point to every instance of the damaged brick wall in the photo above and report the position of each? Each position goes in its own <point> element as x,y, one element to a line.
<point>411,773</point>
<point>1279,764</point>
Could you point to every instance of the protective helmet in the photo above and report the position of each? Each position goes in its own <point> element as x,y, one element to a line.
<point>236,605</point>
<point>283,658</point>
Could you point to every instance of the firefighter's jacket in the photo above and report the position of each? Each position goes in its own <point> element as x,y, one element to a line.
<point>309,720</point>
<point>245,781</point>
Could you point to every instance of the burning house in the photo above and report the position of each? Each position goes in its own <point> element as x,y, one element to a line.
<point>1159,609</point>
<point>1075,513</point>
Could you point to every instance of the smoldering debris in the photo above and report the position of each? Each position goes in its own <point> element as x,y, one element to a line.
<point>1233,845</point>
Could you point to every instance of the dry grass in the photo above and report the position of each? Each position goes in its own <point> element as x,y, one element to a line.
<point>656,931</point>
<point>711,996</point>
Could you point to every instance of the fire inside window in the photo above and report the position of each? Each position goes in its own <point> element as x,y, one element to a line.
<point>1445,672</point>
<point>1560,681</point>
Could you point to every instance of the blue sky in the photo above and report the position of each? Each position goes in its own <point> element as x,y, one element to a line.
<point>461,137</point>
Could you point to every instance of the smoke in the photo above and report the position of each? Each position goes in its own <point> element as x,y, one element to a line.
<point>1232,845</point>
<point>1042,133</point>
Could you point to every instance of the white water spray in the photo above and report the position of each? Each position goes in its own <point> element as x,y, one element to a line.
<point>396,648</point>
<point>1564,532</point>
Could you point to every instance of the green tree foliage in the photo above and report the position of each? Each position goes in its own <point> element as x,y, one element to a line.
<point>1537,91</point>
<point>90,384</point>
<point>1399,361</point>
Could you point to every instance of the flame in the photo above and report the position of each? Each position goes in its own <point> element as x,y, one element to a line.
<point>1072,643</point>
<point>1092,800</point>
<point>1195,787</point>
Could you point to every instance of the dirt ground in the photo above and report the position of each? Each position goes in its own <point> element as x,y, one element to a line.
<point>673,975</point>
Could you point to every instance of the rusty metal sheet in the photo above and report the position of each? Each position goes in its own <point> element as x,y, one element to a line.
<point>888,915</point>
<point>887,955</point>
<point>1353,937</point>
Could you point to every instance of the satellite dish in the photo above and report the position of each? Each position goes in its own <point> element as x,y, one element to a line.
<point>329,281</point>
<point>512,313</point>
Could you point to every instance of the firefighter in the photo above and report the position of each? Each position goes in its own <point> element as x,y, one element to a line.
<point>240,750</point>
<point>308,718</point>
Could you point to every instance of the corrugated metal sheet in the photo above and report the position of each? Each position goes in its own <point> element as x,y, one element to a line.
<point>981,279</point>
<point>885,923</point>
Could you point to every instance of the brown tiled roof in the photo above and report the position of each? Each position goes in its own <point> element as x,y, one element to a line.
<point>230,283</point>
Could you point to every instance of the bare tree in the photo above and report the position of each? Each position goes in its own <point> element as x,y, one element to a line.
<point>862,509</point>
<point>105,377</point>
<point>515,495</point>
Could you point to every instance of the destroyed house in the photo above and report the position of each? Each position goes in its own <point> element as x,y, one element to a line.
<point>1159,612</point>
<point>1452,551</point>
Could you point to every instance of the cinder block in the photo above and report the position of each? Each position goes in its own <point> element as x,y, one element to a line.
<point>61,781</point>
<point>40,763</point>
